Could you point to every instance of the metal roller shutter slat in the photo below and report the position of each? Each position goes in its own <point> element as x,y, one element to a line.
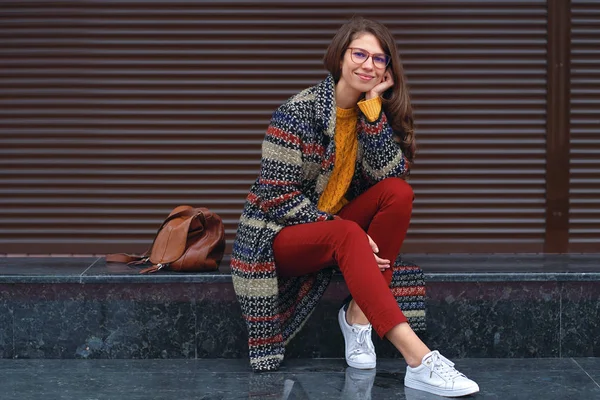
<point>115,110</point>
<point>584,228</point>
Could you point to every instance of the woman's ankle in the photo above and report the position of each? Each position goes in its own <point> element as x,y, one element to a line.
<point>408,343</point>
<point>354,315</point>
<point>413,362</point>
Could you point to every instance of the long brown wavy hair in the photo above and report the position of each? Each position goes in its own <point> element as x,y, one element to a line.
<point>396,100</point>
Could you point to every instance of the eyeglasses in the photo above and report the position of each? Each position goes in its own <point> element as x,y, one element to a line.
<point>359,56</point>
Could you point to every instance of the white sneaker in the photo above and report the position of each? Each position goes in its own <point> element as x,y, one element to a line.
<point>437,375</point>
<point>360,352</point>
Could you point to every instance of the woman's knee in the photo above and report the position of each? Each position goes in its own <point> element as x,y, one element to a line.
<point>398,189</point>
<point>349,231</point>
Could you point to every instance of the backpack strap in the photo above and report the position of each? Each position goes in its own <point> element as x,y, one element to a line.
<point>170,242</point>
<point>152,269</point>
<point>129,259</point>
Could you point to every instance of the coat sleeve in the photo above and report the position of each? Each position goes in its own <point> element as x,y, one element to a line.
<point>279,191</point>
<point>382,156</point>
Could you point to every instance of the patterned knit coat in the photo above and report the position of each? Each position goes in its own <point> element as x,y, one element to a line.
<point>298,155</point>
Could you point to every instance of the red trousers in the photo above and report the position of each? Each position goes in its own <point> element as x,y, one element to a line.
<point>383,212</point>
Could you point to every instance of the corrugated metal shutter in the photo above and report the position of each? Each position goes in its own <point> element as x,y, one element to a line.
<point>584,228</point>
<point>114,112</point>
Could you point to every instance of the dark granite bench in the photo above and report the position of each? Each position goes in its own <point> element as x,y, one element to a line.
<point>490,305</point>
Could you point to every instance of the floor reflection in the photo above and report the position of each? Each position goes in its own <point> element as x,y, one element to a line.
<point>293,390</point>
<point>216,379</point>
<point>358,384</point>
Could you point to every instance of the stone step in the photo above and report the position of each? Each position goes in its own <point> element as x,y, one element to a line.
<point>498,306</point>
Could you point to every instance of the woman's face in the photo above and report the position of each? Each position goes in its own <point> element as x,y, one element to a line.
<point>362,77</point>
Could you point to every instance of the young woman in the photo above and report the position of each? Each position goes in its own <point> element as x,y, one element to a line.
<point>331,192</point>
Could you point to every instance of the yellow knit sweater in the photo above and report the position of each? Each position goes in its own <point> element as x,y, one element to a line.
<point>346,143</point>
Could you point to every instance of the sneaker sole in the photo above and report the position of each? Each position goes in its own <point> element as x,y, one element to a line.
<point>350,363</point>
<point>438,391</point>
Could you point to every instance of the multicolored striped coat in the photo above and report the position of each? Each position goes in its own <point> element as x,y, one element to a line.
<point>298,154</point>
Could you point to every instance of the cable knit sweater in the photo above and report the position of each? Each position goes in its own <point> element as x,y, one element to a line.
<point>346,143</point>
<point>298,155</point>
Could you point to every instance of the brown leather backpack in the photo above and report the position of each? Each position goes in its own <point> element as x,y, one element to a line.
<point>189,240</point>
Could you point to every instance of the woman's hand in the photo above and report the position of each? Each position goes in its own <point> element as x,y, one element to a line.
<point>383,264</point>
<point>386,83</point>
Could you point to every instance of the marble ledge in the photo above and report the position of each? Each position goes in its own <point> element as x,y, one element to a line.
<point>514,277</point>
<point>438,268</point>
<point>167,277</point>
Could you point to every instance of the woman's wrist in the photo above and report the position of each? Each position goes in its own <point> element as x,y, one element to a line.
<point>371,95</point>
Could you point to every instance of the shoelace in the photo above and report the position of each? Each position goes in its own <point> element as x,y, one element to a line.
<point>361,339</point>
<point>443,367</point>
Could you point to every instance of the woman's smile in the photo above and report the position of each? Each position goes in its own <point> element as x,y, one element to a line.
<point>365,77</point>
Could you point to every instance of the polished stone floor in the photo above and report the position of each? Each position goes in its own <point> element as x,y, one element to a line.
<point>216,379</point>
